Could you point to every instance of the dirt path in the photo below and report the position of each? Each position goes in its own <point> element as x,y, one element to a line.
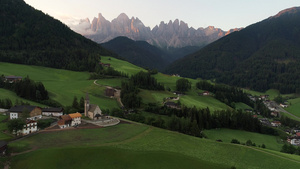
<point>27,151</point>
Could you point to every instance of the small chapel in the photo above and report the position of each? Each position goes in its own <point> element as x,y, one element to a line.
<point>91,110</point>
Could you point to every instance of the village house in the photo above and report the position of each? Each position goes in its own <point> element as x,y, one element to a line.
<point>105,64</point>
<point>12,79</point>
<point>110,92</point>
<point>69,120</point>
<point>275,114</point>
<point>172,105</point>
<point>178,93</point>
<point>294,141</point>
<point>265,121</point>
<point>30,127</point>
<point>176,75</point>
<point>52,111</point>
<point>3,148</point>
<point>65,121</point>
<point>76,119</point>
<point>91,110</point>
<point>283,105</point>
<point>275,123</point>
<point>35,112</point>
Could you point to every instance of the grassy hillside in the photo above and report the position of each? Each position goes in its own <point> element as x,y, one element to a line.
<point>62,85</point>
<point>294,108</point>
<point>122,65</point>
<point>226,135</point>
<point>135,146</point>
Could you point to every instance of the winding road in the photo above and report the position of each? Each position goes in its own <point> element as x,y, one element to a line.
<point>284,111</point>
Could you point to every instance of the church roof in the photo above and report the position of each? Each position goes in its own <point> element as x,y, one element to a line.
<point>93,107</point>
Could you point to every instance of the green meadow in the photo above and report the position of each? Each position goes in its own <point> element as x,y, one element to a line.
<point>121,65</point>
<point>155,96</point>
<point>294,107</point>
<point>226,135</point>
<point>62,85</point>
<point>140,146</point>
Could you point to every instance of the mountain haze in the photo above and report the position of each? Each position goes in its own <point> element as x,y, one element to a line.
<point>262,56</point>
<point>175,34</point>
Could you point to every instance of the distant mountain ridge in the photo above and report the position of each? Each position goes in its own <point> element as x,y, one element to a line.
<point>143,54</point>
<point>175,34</point>
<point>261,56</point>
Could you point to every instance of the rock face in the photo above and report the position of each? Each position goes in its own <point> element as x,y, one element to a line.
<point>173,34</point>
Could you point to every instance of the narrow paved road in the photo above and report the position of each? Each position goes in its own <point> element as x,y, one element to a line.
<point>284,111</point>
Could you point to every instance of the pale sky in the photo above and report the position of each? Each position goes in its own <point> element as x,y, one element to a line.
<point>224,14</point>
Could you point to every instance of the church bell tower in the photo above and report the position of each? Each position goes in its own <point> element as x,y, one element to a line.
<point>86,104</point>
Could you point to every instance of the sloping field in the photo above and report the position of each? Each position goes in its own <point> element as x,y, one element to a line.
<point>135,145</point>
<point>62,85</point>
<point>226,135</point>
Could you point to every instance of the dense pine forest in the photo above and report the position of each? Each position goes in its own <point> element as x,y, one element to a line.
<point>28,36</point>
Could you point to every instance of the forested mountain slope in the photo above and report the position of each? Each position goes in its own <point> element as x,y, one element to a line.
<point>262,56</point>
<point>28,36</point>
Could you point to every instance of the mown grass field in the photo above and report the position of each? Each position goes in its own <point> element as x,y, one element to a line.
<point>226,135</point>
<point>294,108</point>
<point>121,65</point>
<point>62,85</point>
<point>108,157</point>
<point>155,96</point>
<point>140,146</point>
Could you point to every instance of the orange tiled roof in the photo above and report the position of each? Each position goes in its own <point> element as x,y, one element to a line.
<point>74,115</point>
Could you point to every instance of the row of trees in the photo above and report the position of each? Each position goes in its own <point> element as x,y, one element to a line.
<point>101,72</point>
<point>290,149</point>
<point>27,88</point>
<point>129,95</point>
<point>226,94</point>
<point>5,103</point>
<point>31,90</point>
<point>144,80</point>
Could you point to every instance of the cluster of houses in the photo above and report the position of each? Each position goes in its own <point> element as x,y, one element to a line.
<point>34,113</point>
<point>12,78</point>
<point>295,138</point>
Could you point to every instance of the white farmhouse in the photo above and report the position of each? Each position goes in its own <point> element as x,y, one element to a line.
<point>52,111</point>
<point>76,119</point>
<point>35,112</point>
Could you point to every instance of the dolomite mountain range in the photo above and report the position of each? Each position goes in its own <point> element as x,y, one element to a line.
<point>174,34</point>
